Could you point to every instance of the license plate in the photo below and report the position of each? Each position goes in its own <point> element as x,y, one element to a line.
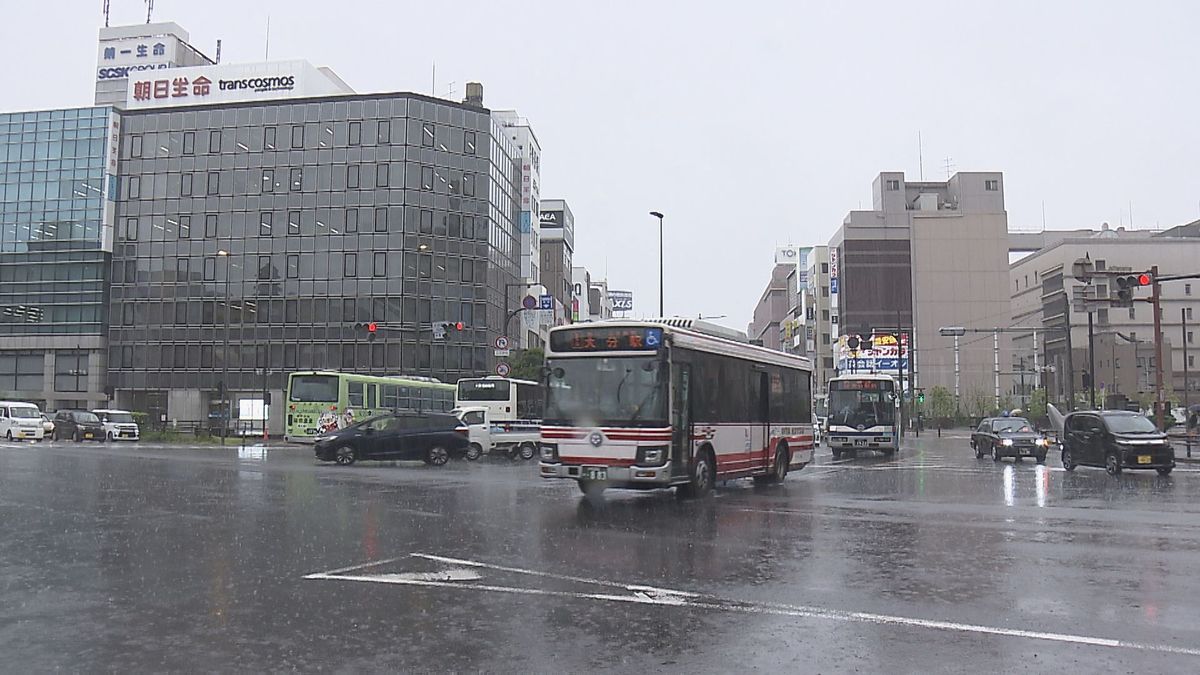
<point>858,443</point>
<point>87,435</point>
<point>1025,452</point>
<point>594,473</point>
<point>1143,459</point>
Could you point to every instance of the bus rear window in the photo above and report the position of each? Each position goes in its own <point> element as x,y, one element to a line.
<point>483,390</point>
<point>314,389</point>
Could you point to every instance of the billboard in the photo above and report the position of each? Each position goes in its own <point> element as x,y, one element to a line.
<point>204,85</point>
<point>118,59</point>
<point>882,354</point>
<point>551,219</point>
<point>622,301</point>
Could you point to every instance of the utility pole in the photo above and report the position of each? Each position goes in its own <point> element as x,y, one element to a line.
<point>900,368</point>
<point>1024,400</point>
<point>1091,383</point>
<point>996,363</point>
<point>1187,436</point>
<point>1155,300</point>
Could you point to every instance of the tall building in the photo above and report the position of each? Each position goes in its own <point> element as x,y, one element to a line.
<point>258,224</point>
<point>928,255</point>
<point>600,304</point>
<point>558,249</point>
<point>777,302</point>
<point>57,185</point>
<point>820,323</point>
<point>534,326</point>
<point>1041,286</point>
<point>140,50</point>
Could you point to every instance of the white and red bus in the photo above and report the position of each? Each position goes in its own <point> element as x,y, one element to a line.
<point>676,403</point>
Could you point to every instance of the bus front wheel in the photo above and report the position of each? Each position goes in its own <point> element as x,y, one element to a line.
<point>704,476</point>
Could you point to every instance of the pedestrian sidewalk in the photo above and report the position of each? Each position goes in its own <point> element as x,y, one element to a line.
<point>1181,448</point>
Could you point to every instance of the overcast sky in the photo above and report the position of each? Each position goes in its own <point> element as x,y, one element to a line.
<point>749,124</point>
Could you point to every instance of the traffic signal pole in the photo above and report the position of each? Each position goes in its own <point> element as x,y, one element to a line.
<point>1155,301</point>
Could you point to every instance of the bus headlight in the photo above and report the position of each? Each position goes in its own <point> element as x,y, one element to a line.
<point>651,456</point>
<point>549,452</point>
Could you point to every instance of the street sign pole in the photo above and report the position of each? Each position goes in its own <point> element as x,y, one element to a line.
<point>1155,298</point>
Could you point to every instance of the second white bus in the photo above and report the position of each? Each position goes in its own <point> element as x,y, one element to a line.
<point>507,399</point>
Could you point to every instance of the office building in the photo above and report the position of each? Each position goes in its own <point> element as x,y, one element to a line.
<point>581,285</point>
<point>600,300</point>
<point>1042,285</point>
<point>557,248</point>
<point>259,224</point>
<point>141,50</point>
<point>56,232</point>
<point>820,323</point>
<point>929,254</point>
<point>776,306</point>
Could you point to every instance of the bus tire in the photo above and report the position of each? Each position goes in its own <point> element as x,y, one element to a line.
<point>527,451</point>
<point>779,470</point>
<point>474,452</point>
<point>703,475</point>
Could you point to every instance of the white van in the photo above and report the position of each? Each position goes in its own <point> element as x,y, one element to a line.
<point>118,425</point>
<point>19,421</point>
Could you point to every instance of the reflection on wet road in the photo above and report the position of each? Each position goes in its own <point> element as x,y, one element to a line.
<point>155,558</point>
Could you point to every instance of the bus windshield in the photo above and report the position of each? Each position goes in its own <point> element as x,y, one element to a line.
<point>314,388</point>
<point>865,403</point>
<point>483,390</point>
<point>622,391</point>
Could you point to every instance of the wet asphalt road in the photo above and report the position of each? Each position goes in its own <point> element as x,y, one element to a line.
<point>142,558</point>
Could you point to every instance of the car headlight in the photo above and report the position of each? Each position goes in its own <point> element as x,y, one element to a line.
<point>549,452</point>
<point>1042,442</point>
<point>1006,442</point>
<point>653,456</point>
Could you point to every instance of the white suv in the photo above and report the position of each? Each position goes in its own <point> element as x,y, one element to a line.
<point>118,425</point>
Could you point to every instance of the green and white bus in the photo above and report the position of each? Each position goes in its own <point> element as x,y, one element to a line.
<point>320,401</point>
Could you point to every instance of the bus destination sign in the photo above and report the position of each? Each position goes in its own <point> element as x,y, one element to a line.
<point>856,385</point>
<point>607,339</point>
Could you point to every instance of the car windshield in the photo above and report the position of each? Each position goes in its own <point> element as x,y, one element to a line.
<point>314,389</point>
<point>852,406</point>
<point>86,417</point>
<point>1130,424</point>
<point>24,413</point>
<point>596,391</point>
<point>1012,425</point>
<point>117,417</point>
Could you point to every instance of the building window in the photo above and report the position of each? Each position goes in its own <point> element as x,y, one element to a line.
<point>426,226</point>
<point>427,178</point>
<point>264,267</point>
<point>427,134</point>
<point>1102,315</point>
<point>135,146</point>
<point>185,185</point>
<point>293,266</point>
<point>127,314</point>
<point>381,175</point>
<point>824,338</point>
<point>1187,289</point>
<point>380,264</point>
<point>185,227</point>
<point>70,371</point>
<point>180,319</point>
<point>824,268</point>
<point>469,143</point>
<point>189,142</point>
<point>1132,313</point>
<point>991,185</point>
<point>296,179</point>
<point>1190,337</point>
<point>893,184</point>
<point>210,269</point>
<point>264,224</point>
<point>1189,313</point>
<point>269,138</point>
<point>214,183</point>
<point>352,176</point>
<point>214,142</point>
<point>268,180</point>
<point>355,133</point>
<point>824,291</point>
<point>297,136</point>
<point>385,132</point>
<point>293,223</point>
<point>468,185</point>
<point>131,228</point>
<point>350,265</point>
<point>135,187</point>
<point>351,220</point>
<point>825,315</point>
<point>381,224</point>
<point>181,268</point>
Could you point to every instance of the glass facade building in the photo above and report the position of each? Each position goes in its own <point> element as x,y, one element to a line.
<point>252,237</point>
<point>56,211</point>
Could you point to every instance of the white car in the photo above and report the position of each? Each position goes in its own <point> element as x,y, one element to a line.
<point>118,425</point>
<point>518,439</point>
<point>19,421</point>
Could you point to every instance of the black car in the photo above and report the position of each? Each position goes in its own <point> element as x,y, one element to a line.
<point>432,437</point>
<point>1014,437</point>
<point>78,425</point>
<point>1115,440</point>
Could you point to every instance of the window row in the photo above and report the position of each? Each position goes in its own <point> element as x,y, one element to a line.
<point>260,139</point>
<point>338,221</point>
<point>300,312</point>
<point>236,182</point>
<point>409,357</point>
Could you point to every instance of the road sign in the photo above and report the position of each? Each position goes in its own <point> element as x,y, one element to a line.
<point>529,302</point>
<point>501,352</point>
<point>546,301</point>
<point>503,369</point>
<point>502,342</point>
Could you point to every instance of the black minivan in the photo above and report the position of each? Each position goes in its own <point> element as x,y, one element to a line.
<point>78,425</point>
<point>432,437</point>
<point>1115,440</point>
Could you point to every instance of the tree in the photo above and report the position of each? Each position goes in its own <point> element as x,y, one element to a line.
<point>1037,405</point>
<point>526,364</point>
<point>979,403</point>
<point>941,403</point>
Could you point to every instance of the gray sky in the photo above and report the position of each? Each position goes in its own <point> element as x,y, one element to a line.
<point>748,124</point>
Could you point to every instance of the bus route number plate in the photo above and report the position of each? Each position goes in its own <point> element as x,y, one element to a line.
<point>594,473</point>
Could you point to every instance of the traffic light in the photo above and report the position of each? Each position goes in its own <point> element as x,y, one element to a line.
<point>920,396</point>
<point>440,328</point>
<point>1127,283</point>
<point>371,329</point>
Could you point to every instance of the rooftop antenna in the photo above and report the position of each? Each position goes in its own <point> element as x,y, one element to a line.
<point>921,155</point>
<point>149,9</point>
<point>949,164</point>
<point>267,48</point>
<point>106,13</point>
<point>450,90</point>
<point>1043,215</point>
<point>218,59</point>
<point>433,81</point>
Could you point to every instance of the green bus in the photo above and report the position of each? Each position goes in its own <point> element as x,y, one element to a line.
<point>320,401</point>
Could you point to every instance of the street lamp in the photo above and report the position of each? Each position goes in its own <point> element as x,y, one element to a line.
<point>659,215</point>
<point>226,406</point>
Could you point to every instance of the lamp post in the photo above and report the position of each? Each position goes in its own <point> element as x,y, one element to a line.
<point>226,407</point>
<point>659,215</point>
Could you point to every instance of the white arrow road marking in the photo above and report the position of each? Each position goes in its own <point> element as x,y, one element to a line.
<point>650,595</point>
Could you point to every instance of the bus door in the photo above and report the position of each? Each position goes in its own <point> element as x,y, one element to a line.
<point>760,429</point>
<point>681,418</point>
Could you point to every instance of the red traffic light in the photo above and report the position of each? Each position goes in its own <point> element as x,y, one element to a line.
<point>371,327</point>
<point>1145,279</point>
<point>460,326</point>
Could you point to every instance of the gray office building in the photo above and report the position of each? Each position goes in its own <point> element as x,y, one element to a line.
<point>253,236</point>
<point>56,213</point>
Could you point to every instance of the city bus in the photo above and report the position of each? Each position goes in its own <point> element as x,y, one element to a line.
<point>862,414</point>
<point>507,399</point>
<point>321,401</point>
<point>671,403</point>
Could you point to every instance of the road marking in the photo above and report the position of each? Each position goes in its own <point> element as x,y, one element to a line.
<point>651,595</point>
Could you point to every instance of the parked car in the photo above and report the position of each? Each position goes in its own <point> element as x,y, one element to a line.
<point>432,437</point>
<point>47,426</point>
<point>1115,440</point>
<point>1014,437</point>
<point>118,425</point>
<point>78,425</point>
<point>19,421</point>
